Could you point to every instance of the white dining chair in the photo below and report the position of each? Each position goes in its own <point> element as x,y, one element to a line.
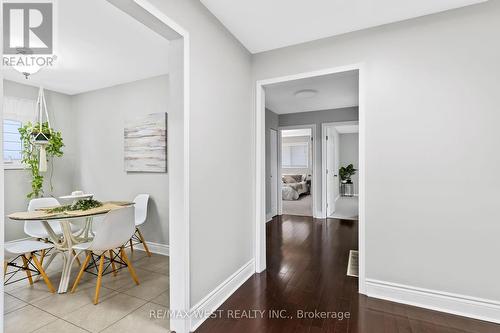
<point>36,229</point>
<point>26,250</point>
<point>116,229</point>
<point>141,214</point>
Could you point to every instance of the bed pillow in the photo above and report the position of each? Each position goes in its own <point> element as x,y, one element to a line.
<point>287,179</point>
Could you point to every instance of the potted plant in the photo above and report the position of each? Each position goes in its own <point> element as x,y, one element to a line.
<point>41,135</point>
<point>39,142</point>
<point>346,173</point>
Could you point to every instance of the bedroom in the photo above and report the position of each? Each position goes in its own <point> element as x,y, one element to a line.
<point>296,171</point>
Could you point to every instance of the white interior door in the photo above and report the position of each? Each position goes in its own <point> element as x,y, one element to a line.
<point>332,179</point>
<point>274,172</point>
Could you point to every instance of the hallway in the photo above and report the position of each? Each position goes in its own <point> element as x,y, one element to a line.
<point>307,262</point>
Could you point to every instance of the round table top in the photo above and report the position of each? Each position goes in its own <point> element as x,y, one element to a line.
<point>42,215</point>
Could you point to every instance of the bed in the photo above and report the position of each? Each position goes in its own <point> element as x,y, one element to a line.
<point>293,186</point>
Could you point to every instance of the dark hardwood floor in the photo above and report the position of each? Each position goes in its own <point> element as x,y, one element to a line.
<point>307,263</point>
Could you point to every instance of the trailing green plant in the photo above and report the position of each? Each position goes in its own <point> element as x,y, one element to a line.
<point>31,152</point>
<point>82,204</point>
<point>346,173</point>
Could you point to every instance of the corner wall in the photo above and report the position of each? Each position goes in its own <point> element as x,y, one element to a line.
<point>221,149</point>
<point>99,126</point>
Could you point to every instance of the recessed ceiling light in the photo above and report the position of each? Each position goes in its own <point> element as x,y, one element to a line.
<point>305,93</point>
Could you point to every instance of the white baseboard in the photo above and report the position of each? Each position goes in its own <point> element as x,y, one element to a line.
<point>157,248</point>
<point>466,306</point>
<point>202,310</point>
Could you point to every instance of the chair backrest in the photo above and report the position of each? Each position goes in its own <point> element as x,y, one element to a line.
<point>116,229</point>
<point>141,208</point>
<point>33,228</point>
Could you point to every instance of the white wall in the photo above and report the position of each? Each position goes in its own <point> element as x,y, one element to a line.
<point>221,148</point>
<point>100,122</point>
<point>349,154</point>
<point>431,218</point>
<point>18,182</point>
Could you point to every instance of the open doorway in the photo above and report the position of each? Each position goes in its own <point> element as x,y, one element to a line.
<point>312,100</point>
<point>296,165</point>
<point>340,170</point>
<point>94,114</point>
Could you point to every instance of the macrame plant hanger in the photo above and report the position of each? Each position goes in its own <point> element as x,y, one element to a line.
<point>42,139</point>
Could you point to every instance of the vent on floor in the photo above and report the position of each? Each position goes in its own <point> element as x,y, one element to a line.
<point>352,265</point>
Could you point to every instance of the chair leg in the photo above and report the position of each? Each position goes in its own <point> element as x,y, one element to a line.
<point>129,266</point>
<point>143,242</point>
<point>42,256</point>
<point>131,246</point>
<point>112,262</point>
<point>26,268</point>
<point>42,272</point>
<point>80,273</point>
<point>44,252</point>
<point>99,279</point>
<point>77,259</point>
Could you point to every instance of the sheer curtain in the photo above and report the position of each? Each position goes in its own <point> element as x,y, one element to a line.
<point>17,111</point>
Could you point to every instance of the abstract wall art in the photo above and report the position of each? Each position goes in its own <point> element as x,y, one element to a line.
<point>146,143</point>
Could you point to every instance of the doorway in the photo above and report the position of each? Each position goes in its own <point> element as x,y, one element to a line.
<point>340,168</point>
<point>260,184</point>
<point>177,294</point>
<point>296,171</point>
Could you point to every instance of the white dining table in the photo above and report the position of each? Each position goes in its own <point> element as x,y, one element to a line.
<point>64,243</point>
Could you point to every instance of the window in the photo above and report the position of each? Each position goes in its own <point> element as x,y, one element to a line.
<point>11,142</point>
<point>295,155</point>
<point>17,111</point>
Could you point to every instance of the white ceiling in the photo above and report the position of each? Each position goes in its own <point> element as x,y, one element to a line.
<point>98,46</point>
<point>333,91</point>
<point>263,25</point>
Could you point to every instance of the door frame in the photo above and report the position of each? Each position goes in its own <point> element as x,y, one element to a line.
<point>260,161</point>
<point>314,197</point>
<point>278,181</point>
<point>323,161</point>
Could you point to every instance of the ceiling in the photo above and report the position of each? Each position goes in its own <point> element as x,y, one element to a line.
<point>263,25</point>
<point>334,91</point>
<point>97,46</point>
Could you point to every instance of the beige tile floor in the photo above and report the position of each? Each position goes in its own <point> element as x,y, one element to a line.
<point>123,306</point>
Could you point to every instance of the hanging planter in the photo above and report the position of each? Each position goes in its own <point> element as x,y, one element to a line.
<point>40,142</point>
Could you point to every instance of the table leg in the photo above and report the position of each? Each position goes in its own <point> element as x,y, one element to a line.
<point>64,247</point>
<point>68,257</point>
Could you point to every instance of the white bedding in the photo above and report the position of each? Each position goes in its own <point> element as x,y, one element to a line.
<point>292,191</point>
